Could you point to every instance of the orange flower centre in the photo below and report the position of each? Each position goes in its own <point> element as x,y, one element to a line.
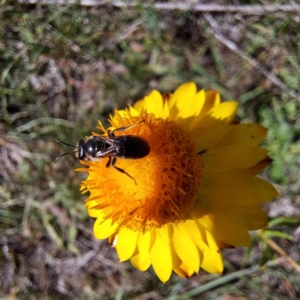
<point>167,179</point>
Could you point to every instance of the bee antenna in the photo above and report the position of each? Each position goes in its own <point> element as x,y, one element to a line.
<point>64,143</point>
<point>58,157</point>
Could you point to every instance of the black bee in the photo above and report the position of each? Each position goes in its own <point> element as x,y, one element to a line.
<point>97,147</point>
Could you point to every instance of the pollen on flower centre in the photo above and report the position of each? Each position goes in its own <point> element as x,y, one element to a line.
<point>167,179</point>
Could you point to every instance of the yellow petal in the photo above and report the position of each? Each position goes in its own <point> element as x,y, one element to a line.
<point>224,111</point>
<point>183,94</point>
<point>144,242</point>
<point>141,262</point>
<point>142,259</point>
<point>231,231</point>
<point>103,228</point>
<point>212,99</point>
<point>139,106</point>
<point>185,247</point>
<point>93,212</point>
<point>259,167</point>
<point>256,217</point>
<point>192,106</point>
<point>187,271</point>
<point>133,111</point>
<point>161,255</point>
<point>246,134</point>
<point>218,189</point>
<point>177,264</point>
<point>233,157</point>
<point>153,103</point>
<point>192,229</point>
<point>207,130</point>
<point>230,215</point>
<point>206,137</point>
<point>212,258</point>
<point>126,243</point>
<point>198,102</point>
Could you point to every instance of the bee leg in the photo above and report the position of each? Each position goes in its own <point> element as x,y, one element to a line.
<point>109,162</point>
<point>112,162</point>
<point>111,133</point>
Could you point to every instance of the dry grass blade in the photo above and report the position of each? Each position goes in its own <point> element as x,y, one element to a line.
<point>189,6</point>
<point>282,253</point>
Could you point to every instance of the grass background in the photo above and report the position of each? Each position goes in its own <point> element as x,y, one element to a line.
<point>63,67</point>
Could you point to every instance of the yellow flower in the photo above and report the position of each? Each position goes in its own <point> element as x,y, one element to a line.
<point>194,193</point>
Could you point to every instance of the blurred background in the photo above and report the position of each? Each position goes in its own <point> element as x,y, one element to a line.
<point>65,66</point>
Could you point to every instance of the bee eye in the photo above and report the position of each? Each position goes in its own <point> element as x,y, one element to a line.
<point>90,146</point>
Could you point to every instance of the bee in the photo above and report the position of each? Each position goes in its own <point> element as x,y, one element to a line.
<point>95,148</point>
